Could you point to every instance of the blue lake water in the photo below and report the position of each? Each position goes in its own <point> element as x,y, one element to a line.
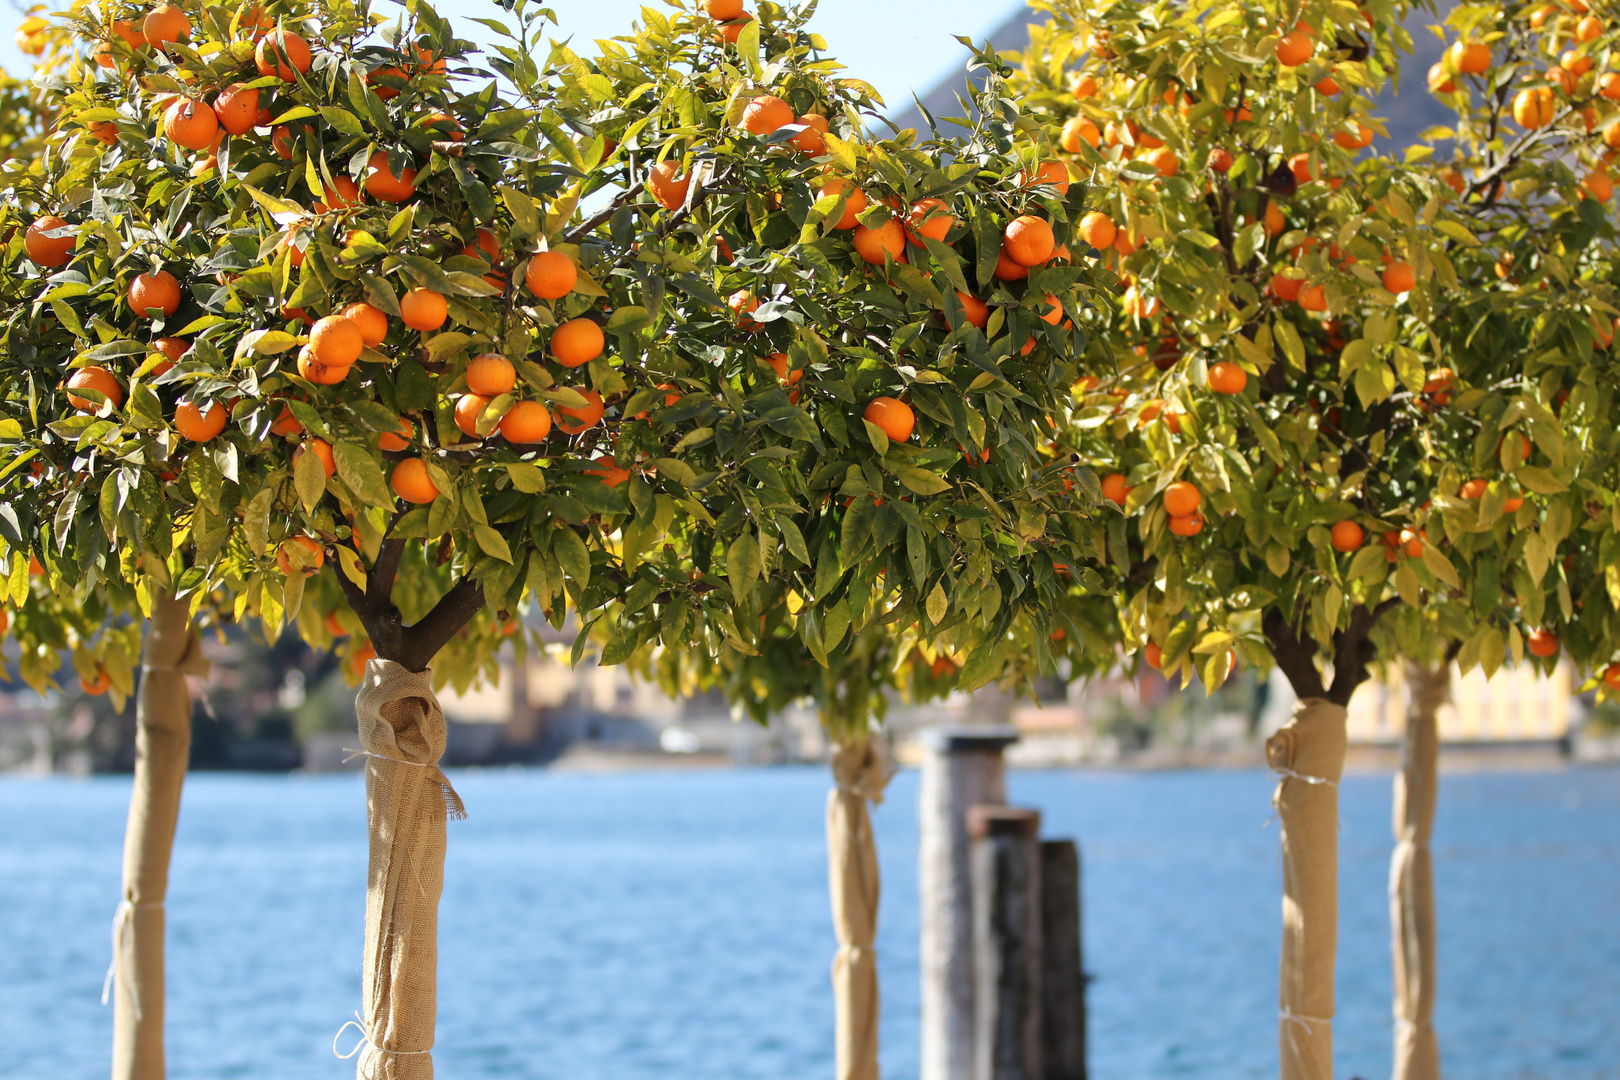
<point>675,925</point>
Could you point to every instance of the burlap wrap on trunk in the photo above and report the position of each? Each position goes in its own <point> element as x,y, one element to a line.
<point>861,770</point>
<point>1309,753</point>
<point>162,751</point>
<point>1411,877</point>
<point>408,798</point>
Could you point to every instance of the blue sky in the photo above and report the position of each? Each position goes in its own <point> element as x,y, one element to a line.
<point>896,45</point>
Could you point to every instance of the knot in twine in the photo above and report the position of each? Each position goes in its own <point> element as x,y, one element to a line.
<point>864,768</point>
<point>453,806</point>
<point>366,1043</point>
<point>123,946</point>
<point>1280,750</point>
<point>1292,1017</point>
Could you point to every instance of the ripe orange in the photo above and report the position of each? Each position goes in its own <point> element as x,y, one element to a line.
<point>1187,525</point>
<point>1286,288</point>
<point>581,416</point>
<point>491,375</point>
<point>733,30</point>
<point>1469,57</point>
<point>526,422</point>
<point>1227,378</point>
<point>468,406</point>
<point>929,218</point>
<point>197,425</point>
<point>1589,29</point>
<point>399,439</point>
<point>322,451</point>
<point>173,348</point>
<point>551,275</point>
<point>1398,277</point>
<point>334,625</point>
<point>1608,85</point>
<point>1078,129</point>
<point>888,239</point>
<point>1474,489</point>
<point>1115,489</point>
<point>741,303</point>
<point>1328,86</point>
<point>157,290</point>
<point>854,200</point>
<point>1611,675</point>
<point>1164,159</point>
<point>286,60</point>
<point>163,24</point>
<point>1347,536</point>
<point>1533,108</point>
<point>1412,541</point>
<point>1542,643</point>
<point>336,341</point>
<point>1054,173</point>
<point>341,194</point>
<point>281,141</point>
<point>311,368</point>
<point>1028,241</point>
<point>723,10</point>
<point>237,109</point>
<point>190,124</point>
<point>52,251</point>
<point>1098,230</point>
<point>1153,656</point>
<point>286,424</point>
<point>362,656</point>
<point>1182,499</point>
<point>385,185</point>
<point>811,140</point>
<point>1359,141</point>
<point>610,473</point>
<point>1007,270</point>
<point>779,364</point>
<point>372,323</point>
<point>1295,47</point>
<point>312,559</point>
<point>974,310</point>
<point>1313,297</point>
<point>411,482</point>
<point>98,379</point>
<point>764,115</point>
<point>1575,63</point>
<point>667,186</point>
<point>1220,160</point>
<point>1511,506</point>
<point>423,309</point>
<point>95,686</point>
<point>1134,304</point>
<point>576,342</point>
<point>893,416</point>
<point>1597,185</point>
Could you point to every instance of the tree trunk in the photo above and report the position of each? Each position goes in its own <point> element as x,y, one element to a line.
<point>162,750</point>
<point>861,770</point>
<point>1308,752</point>
<point>1411,877</point>
<point>408,798</point>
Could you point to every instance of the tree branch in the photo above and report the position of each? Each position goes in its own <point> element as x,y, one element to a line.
<point>453,611</point>
<point>1296,659</point>
<point>602,216</point>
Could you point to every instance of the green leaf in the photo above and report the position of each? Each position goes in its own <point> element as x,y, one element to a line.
<point>361,474</point>
<point>677,470</point>
<point>743,565</point>
<point>492,542</point>
<point>921,481</point>
<point>309,480</point>
<point>526,478</point>
<point>938,603</point>
<point>256,519</point>
<point>571,555</point>
<point>1540,481</point>
<point>1293,348</point>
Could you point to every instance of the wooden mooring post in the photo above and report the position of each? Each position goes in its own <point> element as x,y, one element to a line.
<point>962,767</point>
<point>1009,960</point>
<point>1063,979</point>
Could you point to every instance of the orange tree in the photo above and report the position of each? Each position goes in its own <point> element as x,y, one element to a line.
<point>315,322</point>
<point>1350,411</point>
